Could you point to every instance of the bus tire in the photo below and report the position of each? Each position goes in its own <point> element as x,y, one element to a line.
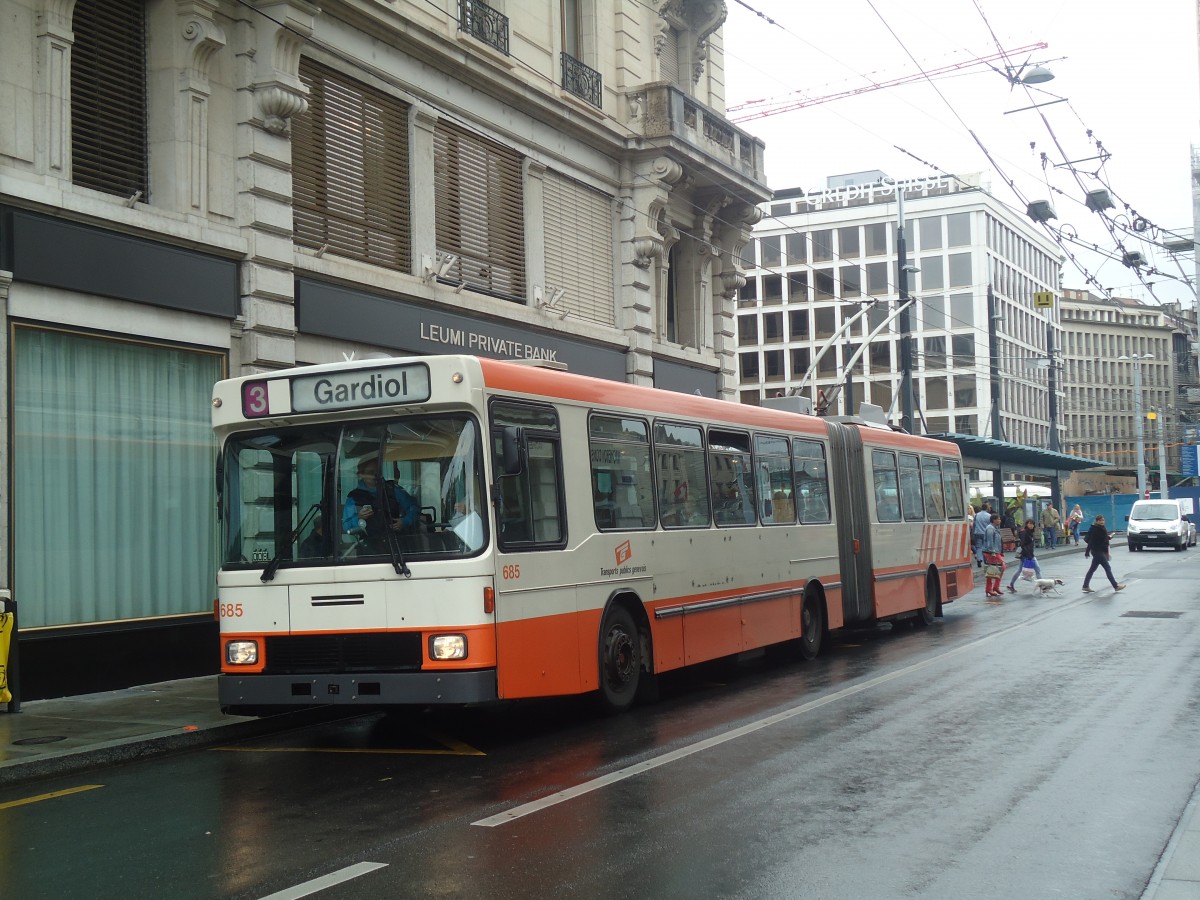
<point>812,627</point>
<point>927,613</point>
<point>620,660</point>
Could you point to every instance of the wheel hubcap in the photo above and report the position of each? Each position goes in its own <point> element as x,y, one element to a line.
<point>619,657</point>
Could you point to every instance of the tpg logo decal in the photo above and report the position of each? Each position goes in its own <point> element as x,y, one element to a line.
<point>623,553</point>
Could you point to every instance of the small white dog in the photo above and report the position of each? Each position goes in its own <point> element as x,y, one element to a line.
<point>1046,585</point>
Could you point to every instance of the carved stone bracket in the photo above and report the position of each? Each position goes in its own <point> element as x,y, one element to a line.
<point>282,30</point>
<point>651,194</point>
<point>202,36</point>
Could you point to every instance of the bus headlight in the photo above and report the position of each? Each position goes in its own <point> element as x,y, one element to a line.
<point>241,653</point>
<point>448,646</point>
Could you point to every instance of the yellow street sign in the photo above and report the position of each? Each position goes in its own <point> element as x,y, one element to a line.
<point>1043,299</point>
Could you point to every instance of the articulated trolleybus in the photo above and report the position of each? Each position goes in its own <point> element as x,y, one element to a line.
<point>450,529</point>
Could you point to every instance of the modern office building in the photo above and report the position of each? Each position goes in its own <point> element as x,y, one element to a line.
<point>198,188</point>
<point>821,257</point>
<point>1119,360</point>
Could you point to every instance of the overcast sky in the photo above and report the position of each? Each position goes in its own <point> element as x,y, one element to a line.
<point>1128,72</point>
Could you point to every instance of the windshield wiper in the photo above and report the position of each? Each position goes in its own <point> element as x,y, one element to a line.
<point>273,565</point>
<point>389,534</point>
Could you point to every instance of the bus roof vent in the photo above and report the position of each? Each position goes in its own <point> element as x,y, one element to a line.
<point>541,363</point>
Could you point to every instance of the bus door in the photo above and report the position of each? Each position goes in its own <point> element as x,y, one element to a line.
<point>849,486</point>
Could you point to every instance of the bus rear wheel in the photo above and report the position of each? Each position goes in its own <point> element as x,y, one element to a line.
<point>620,660</point>
<point>812,628</point>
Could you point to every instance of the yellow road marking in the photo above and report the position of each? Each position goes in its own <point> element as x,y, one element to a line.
<point>40,797</point>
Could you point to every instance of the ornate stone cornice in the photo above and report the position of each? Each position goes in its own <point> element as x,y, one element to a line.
<point>700,18</point>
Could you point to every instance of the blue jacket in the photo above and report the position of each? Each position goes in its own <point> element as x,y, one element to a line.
<point>992,542</point>
<point>402,509</point>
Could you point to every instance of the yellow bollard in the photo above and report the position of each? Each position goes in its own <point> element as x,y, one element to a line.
<point>6,627</point>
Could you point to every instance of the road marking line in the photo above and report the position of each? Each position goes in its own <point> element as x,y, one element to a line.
<point>587,787</point>
<point>40,797</point>
<point>325,881</point>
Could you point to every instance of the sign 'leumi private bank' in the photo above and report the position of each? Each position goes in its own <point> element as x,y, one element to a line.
<point>342,312</point>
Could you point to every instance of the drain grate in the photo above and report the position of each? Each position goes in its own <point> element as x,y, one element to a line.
<point>1150,614</point>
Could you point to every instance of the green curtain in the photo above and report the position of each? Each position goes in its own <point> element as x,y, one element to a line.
<point>113,495</point>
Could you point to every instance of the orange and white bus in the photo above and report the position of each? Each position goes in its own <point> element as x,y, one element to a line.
<point>450,529</point>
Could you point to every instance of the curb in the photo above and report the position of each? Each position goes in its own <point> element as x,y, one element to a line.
<point>164,743</point>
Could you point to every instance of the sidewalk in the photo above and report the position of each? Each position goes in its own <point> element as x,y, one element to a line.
<point>71,734</point>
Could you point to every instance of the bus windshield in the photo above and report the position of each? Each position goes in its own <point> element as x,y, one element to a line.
<point>354,492</point>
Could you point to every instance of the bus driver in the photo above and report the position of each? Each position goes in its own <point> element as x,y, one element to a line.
<point>359,515</point>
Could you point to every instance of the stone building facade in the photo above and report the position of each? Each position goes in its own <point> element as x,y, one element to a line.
<point>197,188</point>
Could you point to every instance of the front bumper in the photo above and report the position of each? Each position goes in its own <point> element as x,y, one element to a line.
<point>367,689</point>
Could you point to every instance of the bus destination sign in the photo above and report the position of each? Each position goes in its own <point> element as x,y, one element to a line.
<point>360,387</point>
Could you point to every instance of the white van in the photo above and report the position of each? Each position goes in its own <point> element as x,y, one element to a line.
<point>1159,523</point>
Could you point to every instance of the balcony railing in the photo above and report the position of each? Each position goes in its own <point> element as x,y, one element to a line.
<point>663,112</point>
<point>483,23</point>
<point>582,81</point>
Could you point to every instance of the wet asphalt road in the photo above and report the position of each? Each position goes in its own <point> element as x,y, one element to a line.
<point>1035,747</point>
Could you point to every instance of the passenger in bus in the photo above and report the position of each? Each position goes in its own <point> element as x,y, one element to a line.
<point>360,514</point>
<point>316,544</point>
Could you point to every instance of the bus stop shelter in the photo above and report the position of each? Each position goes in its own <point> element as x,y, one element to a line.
<point>1007,461</point>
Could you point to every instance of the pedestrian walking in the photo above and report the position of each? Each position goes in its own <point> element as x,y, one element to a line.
<point>1051,523</point>
<point>1097,539</point>
<point>1075,520</point>
<point>1026,547</point>
<point>993,558</point>
<point>983,518</point>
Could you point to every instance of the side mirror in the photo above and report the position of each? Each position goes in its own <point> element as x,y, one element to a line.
<point>512,449</point>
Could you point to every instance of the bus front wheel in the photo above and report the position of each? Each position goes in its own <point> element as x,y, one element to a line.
<point>812,628</point>
<point>620,660</point>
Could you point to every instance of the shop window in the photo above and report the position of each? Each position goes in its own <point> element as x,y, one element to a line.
<point>115,438</point>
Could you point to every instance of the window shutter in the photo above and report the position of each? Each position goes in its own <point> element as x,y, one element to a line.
<point>480,211</point>
<point>579,248</point>
<point>350,170</point>
<point>668,58</point>
<point>108,97</point>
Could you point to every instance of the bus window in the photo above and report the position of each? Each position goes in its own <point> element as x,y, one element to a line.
<point>682,478</point>
<point>622,481</point>
<point>530,505</point>
<point>887,491</point>
<point>775,480</point>
<point>935,504</point>
<point>812,485</point>
<point>911,501</point>
<point>730,478</point>
<point>953,485</point>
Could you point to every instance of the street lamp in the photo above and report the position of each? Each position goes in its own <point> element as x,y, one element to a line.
<point>1136,359</point>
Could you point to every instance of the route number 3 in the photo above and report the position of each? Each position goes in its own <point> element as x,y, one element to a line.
<point>510,573</point>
